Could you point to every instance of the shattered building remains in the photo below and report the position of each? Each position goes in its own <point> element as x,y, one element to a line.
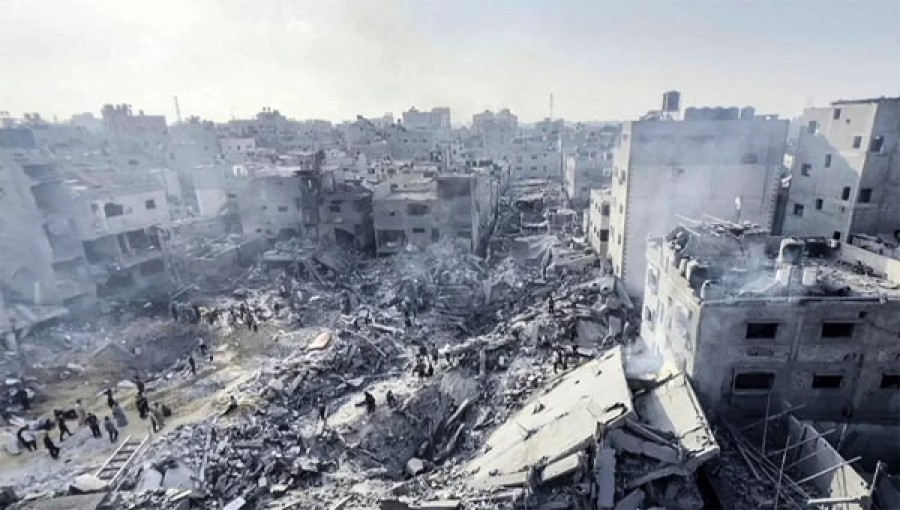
<point>664,170</point>
<point>746,315</point>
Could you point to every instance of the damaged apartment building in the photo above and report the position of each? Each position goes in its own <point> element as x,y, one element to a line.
<point>419,210</point>
<point>715,162</point>
<point>747,315</point>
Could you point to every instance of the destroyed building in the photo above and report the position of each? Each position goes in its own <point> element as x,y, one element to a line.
<point>586,170</point>
<point>665,169</point>
<point>345,216</point>
<point>280,202</point>
<point>420,211</point>
<point>841,181</point>
<point>745,315</point>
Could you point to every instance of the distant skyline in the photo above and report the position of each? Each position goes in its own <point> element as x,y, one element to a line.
<point>335,59</point>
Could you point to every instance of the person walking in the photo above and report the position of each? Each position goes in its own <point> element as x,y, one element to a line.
<point>193,364</point>
<point>27,438</point>
<point>52,448</point>
<point>110,401</point>
<point>63,428</point>
<point>111,429</point>
<point>82,414</point>
<point>156,418</point>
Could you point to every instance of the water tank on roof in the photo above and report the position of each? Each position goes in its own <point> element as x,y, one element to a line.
<point>790,251</point>
<point>671,101</point>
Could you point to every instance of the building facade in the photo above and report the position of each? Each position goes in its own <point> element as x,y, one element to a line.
<point>666,170</point>
<point>844,179</point>
<point>586,171</point>
<point>596,221</point>
<point>749,317</point>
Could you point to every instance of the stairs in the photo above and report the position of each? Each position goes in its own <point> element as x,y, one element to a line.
<point>115,465</point>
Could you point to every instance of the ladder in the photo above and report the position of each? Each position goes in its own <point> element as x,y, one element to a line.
<point>120,459</point>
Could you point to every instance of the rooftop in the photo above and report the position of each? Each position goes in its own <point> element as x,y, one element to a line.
<point>740,261</point>
<point>408,188</point>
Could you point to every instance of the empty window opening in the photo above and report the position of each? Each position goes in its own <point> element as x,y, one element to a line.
<point>336,208</point>
<point>111,210</point>
<point>604,210</point>
<point>890,382</point>
<point>604,235</point>
<point>837,329</point>
<point>857,142</point>
<point>798,209</point>
<point>761,330</point>
<point>416,209</point>
<point>865,196</point>
<point>282,208</point>
<point>876,144</point>
<point>753,381</point>
<point>819,204</point>
<point>829,381</point>
<point>837,113</point>
<point>836,236</point>
<point>845,193</point>
<point>827,160</point>
<point>812,127</point>
<point>806,169</point>
<point>149,204</point>
<point>418,231</point>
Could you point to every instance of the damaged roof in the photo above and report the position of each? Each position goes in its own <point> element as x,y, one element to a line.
<point>558,422</point>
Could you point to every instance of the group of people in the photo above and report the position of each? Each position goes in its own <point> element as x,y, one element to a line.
<point>193,313</point>
<point>424,365</point>
<point>118,419</point>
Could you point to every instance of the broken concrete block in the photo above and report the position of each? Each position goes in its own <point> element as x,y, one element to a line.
<point>605,476</point>
<point>393,504</point>
<point>321,341</point>
<point>235,504</point>
<point>415,466</point>
<point>86,484</point>
<point>660,452</point>
<point>150,480</point>
<point>632,501</point>
<point>562,467</point>
<point>442,504</point>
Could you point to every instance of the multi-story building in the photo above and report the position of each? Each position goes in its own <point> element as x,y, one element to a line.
<point>345,216</point>
<point>120,217</point>
<point>136,134</point>
<point>534,160</point>
<point>751,318</point>
<point>667,170</point>
<point>495,130</point>
<point>596,221</point>
<point>844,178</point>
<point>416,210</point>
<point>280,202</point>
<point>237,149</point>
<point>437,119</point>
<point>586,171</point>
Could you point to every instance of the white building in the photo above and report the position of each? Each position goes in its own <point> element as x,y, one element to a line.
<point>437,119</point>
<point>596,221</point>
<point>844,173</point>
<point>665,170</point>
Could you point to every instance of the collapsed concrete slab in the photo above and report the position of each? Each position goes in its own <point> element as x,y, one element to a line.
<point>562,420</point>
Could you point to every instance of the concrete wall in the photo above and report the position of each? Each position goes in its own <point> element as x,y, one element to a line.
<point>663,170</point>
<point>882,265</point>
<point>597,223</point>
<point>393,215</point>
<point>584,174</point>
<point>342,216</point>
<point>280,206</point>
<point>138,211</point>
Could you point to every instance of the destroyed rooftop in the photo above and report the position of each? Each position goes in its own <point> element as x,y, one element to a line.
<point>741,261</point>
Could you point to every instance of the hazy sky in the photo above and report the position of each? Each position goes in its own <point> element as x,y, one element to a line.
<point>334,59</point>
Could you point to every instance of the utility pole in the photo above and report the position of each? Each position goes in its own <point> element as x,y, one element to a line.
<point>551,106</point>
<point>177,110</point>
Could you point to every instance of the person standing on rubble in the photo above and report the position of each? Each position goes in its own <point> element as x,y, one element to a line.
<point>110,401</point>
<point>82,414</point>
<point>391,399</point>
<point>173,308</point>
<point>204,350</point>
<point>369,401</point>
<point>157,413</point>
<point>52,448</point>
<point>143,406</point>
<point>139,384</point>
<point>192,363</point>
<point>94,424</point>
<point>111,429</point>
<point>323,412</point>
<point>559,360</point>
<point>22,397</point>
<point>121,417</point>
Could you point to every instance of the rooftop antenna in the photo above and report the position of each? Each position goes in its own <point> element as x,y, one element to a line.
<point>177,110</point>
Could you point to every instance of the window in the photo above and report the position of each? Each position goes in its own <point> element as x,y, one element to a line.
<point>805,169</point>
<point>111,210</point>
<point>836,236</point>
<point>845,193</point>
<point>812,127</point>
<point>604,235</point>
<point>876,144</point>
<point>621,209</point>
<point>819,204</point>
<point>336,208</point>
<point>761,330</point>
<point>828,161</point>
<point>857,142</point>
<point>416,209</point>
<point>865,196</point>
<point>889,382</point>
<point>282,208</point>
<point>837,114</point>
<point>753,381</point>
<point>823,382</point>
<point>231,195</point>
<point>150,204</point>
<point>418,231</point>
<point>435,235</point>
<point>798,209</point>
<point>619,239</point>
<point>837,329</point>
